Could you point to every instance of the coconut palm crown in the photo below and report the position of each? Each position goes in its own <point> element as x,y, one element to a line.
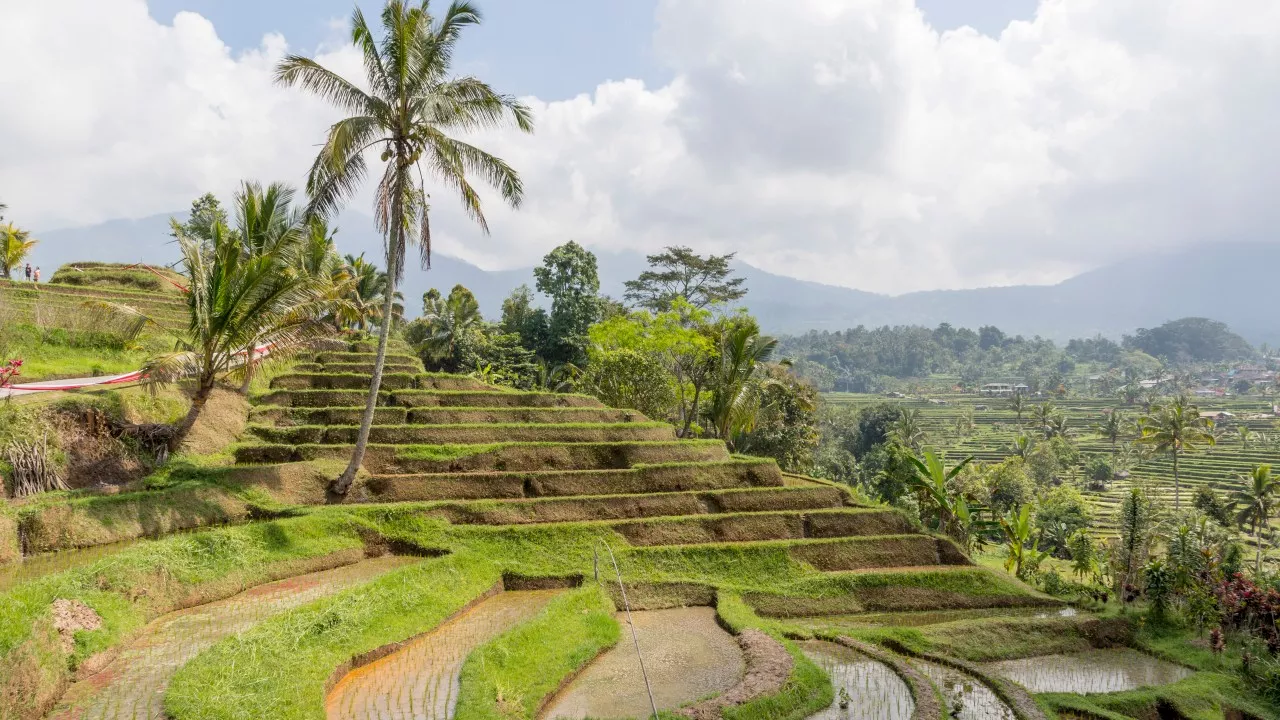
<point>405,110</point>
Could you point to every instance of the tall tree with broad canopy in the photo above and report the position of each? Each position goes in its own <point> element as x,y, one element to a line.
<point>411,105</point>
<point>679,272</point>
<point>570,277</point>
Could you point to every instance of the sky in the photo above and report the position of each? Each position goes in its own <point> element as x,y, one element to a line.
<point>887,145</point>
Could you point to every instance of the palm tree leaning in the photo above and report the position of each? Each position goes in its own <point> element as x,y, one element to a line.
<point>411,105</point>
<point>1258,497</point>
<point>1176,428</point>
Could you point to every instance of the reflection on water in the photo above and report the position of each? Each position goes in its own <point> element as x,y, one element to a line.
<point>874,691</point>
<point>965,696</point>
<point>1093,671</point>
<point>37,566</point>
<point>688,657</point>
<point>420,680</point>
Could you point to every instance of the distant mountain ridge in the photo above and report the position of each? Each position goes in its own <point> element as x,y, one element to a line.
<point>1231,282</point>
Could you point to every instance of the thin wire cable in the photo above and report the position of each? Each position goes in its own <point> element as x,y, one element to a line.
<point>627,607</point>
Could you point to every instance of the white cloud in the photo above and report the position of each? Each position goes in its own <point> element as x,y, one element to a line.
<point>841,140</point>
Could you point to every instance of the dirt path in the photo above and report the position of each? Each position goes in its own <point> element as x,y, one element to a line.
<point>133,686</point>
<point>420,681</point>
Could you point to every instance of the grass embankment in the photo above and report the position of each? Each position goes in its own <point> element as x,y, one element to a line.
<point>511,676</point>
<point>283,665</point>
<point>143,581</point>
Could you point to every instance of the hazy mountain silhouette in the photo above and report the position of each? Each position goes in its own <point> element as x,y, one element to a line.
<point>1230,282</point>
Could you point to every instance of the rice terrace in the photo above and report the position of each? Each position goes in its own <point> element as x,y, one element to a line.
<point>246,477</point>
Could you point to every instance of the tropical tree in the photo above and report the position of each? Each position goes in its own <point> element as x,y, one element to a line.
<point>1018,404</point>
<point>14,246</point>
<point>1058,426</point>
<point>679,272</point>
<point>1111,427</point>
<point>448,321</point>
<point>1043,413</point>
<point>736,385</point>
<point>1022,446</point>
<point>366,294</point>
<point>239,298</point>
<point>411,104</point>
<point>1246,435</point>
<point>1258,497</point>
<point>1176,428</point>
<point>1017,530</point>
<point>933,479</point>
<point>907,430</point>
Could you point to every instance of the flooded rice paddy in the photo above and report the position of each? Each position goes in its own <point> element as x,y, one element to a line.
<point>37,566</point>
<point>420,681</point>
<point>1093,671</point>
<point>688,657</point>
<point>132,687</point>
<point>874,691</point>
<point>964,696</point>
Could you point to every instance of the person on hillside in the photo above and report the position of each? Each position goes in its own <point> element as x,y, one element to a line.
<point>37,274</point>
<point>28,272</point>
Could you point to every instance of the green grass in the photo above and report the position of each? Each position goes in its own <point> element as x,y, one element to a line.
<point>282,664</point>
<point>508,677</point>
<point>1203,696</point>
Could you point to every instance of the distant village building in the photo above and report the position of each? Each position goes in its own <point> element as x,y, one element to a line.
<point>1217,415</point>
<point>997,389</point>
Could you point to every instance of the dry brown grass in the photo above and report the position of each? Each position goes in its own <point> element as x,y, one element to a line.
<point>221,423</point>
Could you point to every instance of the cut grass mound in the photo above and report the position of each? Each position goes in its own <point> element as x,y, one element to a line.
<point>117,276</point>
<point>283,666</point>
<point>516,457</point>
<point>466,434</point>
<point>511,675</point>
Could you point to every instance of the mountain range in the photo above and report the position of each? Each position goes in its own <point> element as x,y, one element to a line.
<point>1231,282</point>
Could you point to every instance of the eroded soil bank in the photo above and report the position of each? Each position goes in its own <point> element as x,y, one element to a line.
<point>688,656</point>
<point>132,687</point>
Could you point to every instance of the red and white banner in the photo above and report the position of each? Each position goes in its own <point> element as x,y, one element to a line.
<point>77,384</point>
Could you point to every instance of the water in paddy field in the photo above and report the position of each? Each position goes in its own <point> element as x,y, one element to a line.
<point>875,691</point>
<point>132,687</point>
<point>32,567</point>
<point>688,657</point>
<point>1093,671</point>
<point>965,693</point>
<point>420,680</point>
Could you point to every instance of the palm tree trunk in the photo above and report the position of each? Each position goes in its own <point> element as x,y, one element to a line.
<point>197,404</point>
<point>693,411</point>
<point>1177,487</point>
<point>343,483</point>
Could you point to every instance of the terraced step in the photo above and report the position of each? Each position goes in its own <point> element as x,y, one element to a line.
<point>360,367</point>
<point>901,552</point>
<point>466,399</point>
<point>515,456</point>
<point>757,526</point>
<point>670,506</point>
<point>319,398</point>
<point>467,434</point>
<point>341,381</point>
<point>326,357</point>
<point>667,477</point>
<point>392,415</point>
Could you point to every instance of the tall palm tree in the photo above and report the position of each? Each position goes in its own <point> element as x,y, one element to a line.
<point>14,246</point>
<point>411,105</point>
<point>1018,404</point>
<point>1176,428</point>
<point>1258,497</point>
<point>1111,427</point>
<point>907,430</point>
<point>1043,413</point>
<point>367,293</point>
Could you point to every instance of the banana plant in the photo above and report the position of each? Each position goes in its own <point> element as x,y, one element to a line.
<point>932,477</point>
<point>1016,526</point>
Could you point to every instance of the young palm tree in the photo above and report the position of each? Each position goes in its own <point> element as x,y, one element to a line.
<point>367,293</point>
<point>1018,404</point>
<point>411,106</point>
<point>1176,428</point>
<point>238,299</point>
<point>907,430</point>
<point>1246,435</point>
<point>1043,413</point>
<point>449,320</point>
<point>737,387</point>
<point>932,477</point>
<point>14,246</point>
<point>1258,497</point>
